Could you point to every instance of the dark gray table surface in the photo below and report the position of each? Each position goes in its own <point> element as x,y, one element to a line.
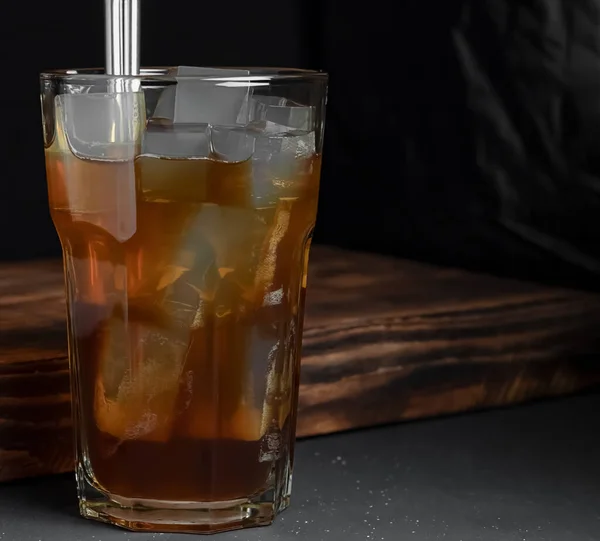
<point>530,473</point>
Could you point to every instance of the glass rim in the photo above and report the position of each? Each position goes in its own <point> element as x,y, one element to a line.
<point>165,73</point>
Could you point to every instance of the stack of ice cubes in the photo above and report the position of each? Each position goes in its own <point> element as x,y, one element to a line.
<point>195,119</point>
<point>198,118</point>
<point>231,122</point>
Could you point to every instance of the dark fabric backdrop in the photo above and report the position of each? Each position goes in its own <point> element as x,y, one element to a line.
<point>463,132</point>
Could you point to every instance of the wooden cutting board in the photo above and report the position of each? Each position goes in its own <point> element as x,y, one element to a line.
<point>385,340</point>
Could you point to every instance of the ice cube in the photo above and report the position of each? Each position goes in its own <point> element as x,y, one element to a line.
<point>137,384</point>
<point>233,234</point>
<point>258,105</point>
<point>177,140</point>
<point>191,280</point>
<point>197,101</point>
<point>231,144</point>
<point>102,126</point>
<point>180,122</point>
<point>194,141</point>
<point>217,257</point>
<point>283,144</point>
<point>281,163</point>
<point>283,114</point>
<point>90,164</point>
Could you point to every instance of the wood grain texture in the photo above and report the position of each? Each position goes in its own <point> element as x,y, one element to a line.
<point>385,340</point>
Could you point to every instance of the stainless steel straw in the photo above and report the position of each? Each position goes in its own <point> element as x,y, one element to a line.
<point>122,28</point>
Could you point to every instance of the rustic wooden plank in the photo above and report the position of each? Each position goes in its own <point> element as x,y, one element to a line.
<point>385,340</point>
<point>388,340</point>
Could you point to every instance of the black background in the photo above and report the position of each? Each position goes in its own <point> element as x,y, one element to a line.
<point>462,132</point>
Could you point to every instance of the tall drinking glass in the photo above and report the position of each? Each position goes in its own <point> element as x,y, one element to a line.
<point>185,200</point>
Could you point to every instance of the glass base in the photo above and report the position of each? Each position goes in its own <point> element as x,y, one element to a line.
<point>169,518</point>
<point>178,517</point>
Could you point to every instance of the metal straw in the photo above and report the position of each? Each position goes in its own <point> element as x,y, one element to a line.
<point>122,28</point>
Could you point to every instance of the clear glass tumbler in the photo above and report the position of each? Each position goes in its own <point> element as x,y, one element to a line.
<point>185,200</point>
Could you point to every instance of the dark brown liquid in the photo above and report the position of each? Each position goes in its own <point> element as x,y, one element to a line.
<point>172,294</point>
<point>181,470</point>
